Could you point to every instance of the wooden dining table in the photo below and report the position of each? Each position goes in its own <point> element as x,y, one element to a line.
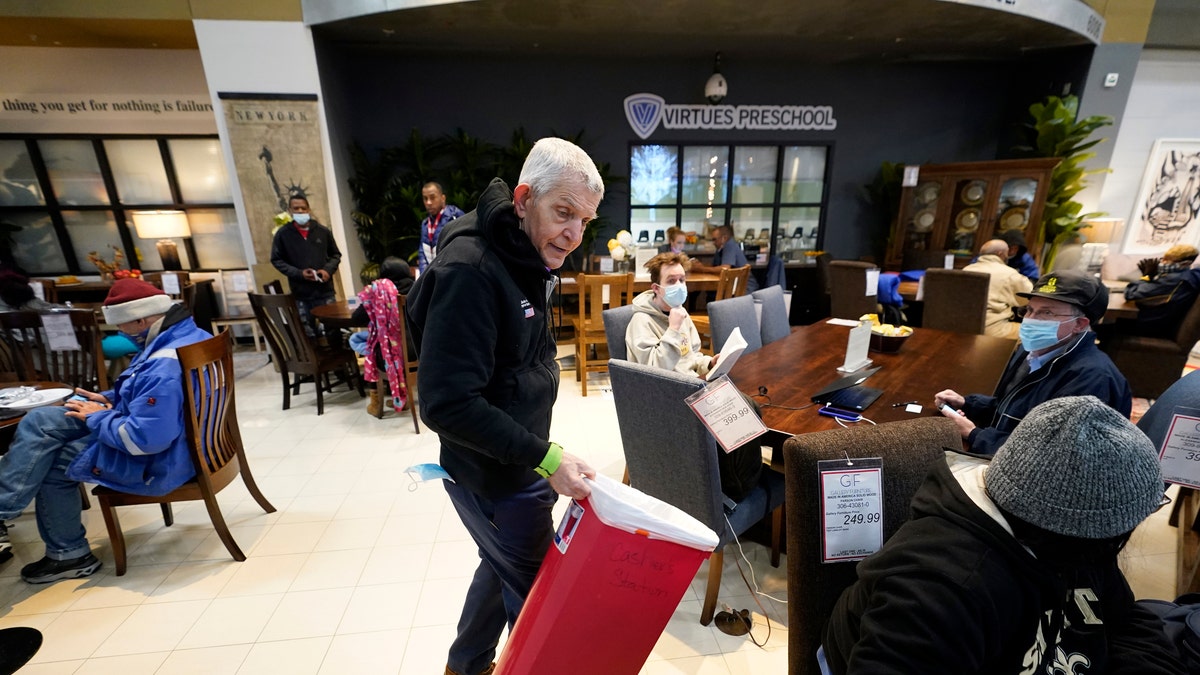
<point>795,368</point>
<point>338,315</point>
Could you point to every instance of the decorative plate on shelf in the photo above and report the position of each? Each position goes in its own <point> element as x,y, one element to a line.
<point>928,192</point>
<point>973,192</point>
<point>1013,219</point>
<point>967,221</point>
<point>923,221</point>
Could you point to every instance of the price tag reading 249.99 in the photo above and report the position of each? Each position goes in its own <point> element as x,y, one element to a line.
<point>852,508</point>
<point>726,413</point>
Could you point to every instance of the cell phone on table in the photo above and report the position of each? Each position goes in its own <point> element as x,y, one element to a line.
<point>78,397</point>
<point>837,413</point>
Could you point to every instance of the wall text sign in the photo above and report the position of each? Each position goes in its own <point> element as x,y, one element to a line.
<point>645,112</point>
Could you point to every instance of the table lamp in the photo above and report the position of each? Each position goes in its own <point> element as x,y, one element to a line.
<point>163,225</point>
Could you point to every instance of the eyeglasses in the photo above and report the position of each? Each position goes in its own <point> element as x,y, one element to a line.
<point>1047,315</point>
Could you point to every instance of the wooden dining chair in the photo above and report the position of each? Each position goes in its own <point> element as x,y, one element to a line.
<point>731,285</point>
<point>596,291</point>
<point>274,287</point>
<point>296,353</point>
<point>382,375</point>
<point>49,290</point>
<point>214,440</point>
<point>33,359</point>
<point>848,296</point>
<point>956,300</point>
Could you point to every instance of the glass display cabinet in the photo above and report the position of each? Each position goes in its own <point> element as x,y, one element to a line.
<point>955,208</point>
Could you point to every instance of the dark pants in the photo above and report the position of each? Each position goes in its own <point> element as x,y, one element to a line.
<point>513,534</point>
<point>306,317</point>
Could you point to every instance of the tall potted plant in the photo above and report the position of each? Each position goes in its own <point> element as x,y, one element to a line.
<point>1056,132</point>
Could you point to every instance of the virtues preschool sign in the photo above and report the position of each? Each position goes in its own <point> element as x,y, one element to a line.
<point>645,112</point>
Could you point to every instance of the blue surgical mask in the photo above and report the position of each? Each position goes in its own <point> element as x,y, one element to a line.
<point>301,218</point>
<point>1039,333</point>
<point>675,295</point>
<point>138,339</point>
<point>422,473</point>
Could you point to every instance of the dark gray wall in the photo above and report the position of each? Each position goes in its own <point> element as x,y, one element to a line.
<point>912,113</point>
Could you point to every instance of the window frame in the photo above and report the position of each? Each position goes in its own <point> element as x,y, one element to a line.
<point>120,210</point>
<point>728,205</point>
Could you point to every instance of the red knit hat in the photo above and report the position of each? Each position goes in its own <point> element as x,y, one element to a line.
<point>133,299</point>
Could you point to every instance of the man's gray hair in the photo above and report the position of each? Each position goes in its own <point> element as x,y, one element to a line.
<point>552,161</point>
<point>994,247</point>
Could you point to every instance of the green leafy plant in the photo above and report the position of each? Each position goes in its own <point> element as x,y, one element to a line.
<point>883,195</point>
<point>387,187</point>
<point>1056,132</point>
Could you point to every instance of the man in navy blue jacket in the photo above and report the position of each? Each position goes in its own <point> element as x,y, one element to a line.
<point>1058,357</point>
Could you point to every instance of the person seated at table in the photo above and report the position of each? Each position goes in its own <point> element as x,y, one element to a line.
<point>728,255</point>
<point>1018,256</point>
<point>380,310</point>
<point>661,333</point>
<point>676,240</point>
<point>1004,283</point>
<point>130,438</point>
<point>1164,295</point>
<point>1011,566</point>
<point>16,295</point>
<point>1057,357</point>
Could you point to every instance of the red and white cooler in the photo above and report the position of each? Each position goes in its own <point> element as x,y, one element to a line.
<point>620,563</point>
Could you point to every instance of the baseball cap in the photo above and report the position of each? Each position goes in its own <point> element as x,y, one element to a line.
<point>1074,288</point>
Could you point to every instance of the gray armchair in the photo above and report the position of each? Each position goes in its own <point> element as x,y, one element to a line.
<point>773,320</point>
<point>725,315</point>
<point>848,297</point>
<point>956,300</point>
<point>672,456</point>
<point>616,323</point>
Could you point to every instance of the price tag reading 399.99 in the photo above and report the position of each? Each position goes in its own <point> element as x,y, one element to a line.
<point>726,413</point>
<point>1179,456</point>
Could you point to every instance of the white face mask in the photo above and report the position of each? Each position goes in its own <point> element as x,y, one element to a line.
<point>675,295</point>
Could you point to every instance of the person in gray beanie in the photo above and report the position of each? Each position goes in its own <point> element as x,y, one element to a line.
<point>1011,566</point>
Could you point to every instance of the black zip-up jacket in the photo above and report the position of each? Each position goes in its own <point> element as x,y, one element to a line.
<point>1081,370</point>
<point>954,593</point>
<point>482,332</point>
<point>292,253</point>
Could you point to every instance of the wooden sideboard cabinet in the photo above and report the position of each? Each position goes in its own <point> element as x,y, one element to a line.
<point>955,208</point>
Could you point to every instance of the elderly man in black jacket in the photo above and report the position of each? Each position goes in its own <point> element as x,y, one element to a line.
<point>480,321</point>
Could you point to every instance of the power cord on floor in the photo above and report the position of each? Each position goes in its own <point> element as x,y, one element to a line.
<point>752,585</point>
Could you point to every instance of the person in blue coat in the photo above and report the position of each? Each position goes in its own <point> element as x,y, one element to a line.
<point>130,438</point>
<point>1018,254</point>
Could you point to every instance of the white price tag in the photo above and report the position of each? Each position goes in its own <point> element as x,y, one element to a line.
<point>856,348</point>
<point>606,265</point>
<point>240,283</point>
<point>873,281</point>
<point>170,284</point>
<point>1179,456</point>
<point>852,508</point>
<point>60,333</point>
<point>911,174</point>
<point>39,291</point>
<point>948,263</point>
<point>921,289</point>
<point>726,413</point>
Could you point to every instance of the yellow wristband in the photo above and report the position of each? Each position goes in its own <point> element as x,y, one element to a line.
<point>550,462</point>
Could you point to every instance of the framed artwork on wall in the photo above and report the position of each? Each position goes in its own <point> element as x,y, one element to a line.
<point>1167,210</point>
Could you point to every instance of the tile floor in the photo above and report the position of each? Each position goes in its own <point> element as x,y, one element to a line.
<point>355,572</point>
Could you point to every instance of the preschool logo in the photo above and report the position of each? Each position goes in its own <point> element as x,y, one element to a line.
<point>645,112</point>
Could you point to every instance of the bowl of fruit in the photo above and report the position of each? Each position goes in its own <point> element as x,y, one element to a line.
<point>885,337</point>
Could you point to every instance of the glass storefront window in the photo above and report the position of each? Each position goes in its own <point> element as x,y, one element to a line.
<point>754,174</point>
<point>200,170</point>
<point>654,175</point>
<point>216,238</point>
<point>803,174</point>
<point>35,245</point>
<point>705,174</point>
<point>92,231</point>
<point>74,172</point>
<point>18,181</point>
<point>138,171</point>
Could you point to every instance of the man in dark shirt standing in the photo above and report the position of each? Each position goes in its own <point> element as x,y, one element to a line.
<point>304,251</point>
